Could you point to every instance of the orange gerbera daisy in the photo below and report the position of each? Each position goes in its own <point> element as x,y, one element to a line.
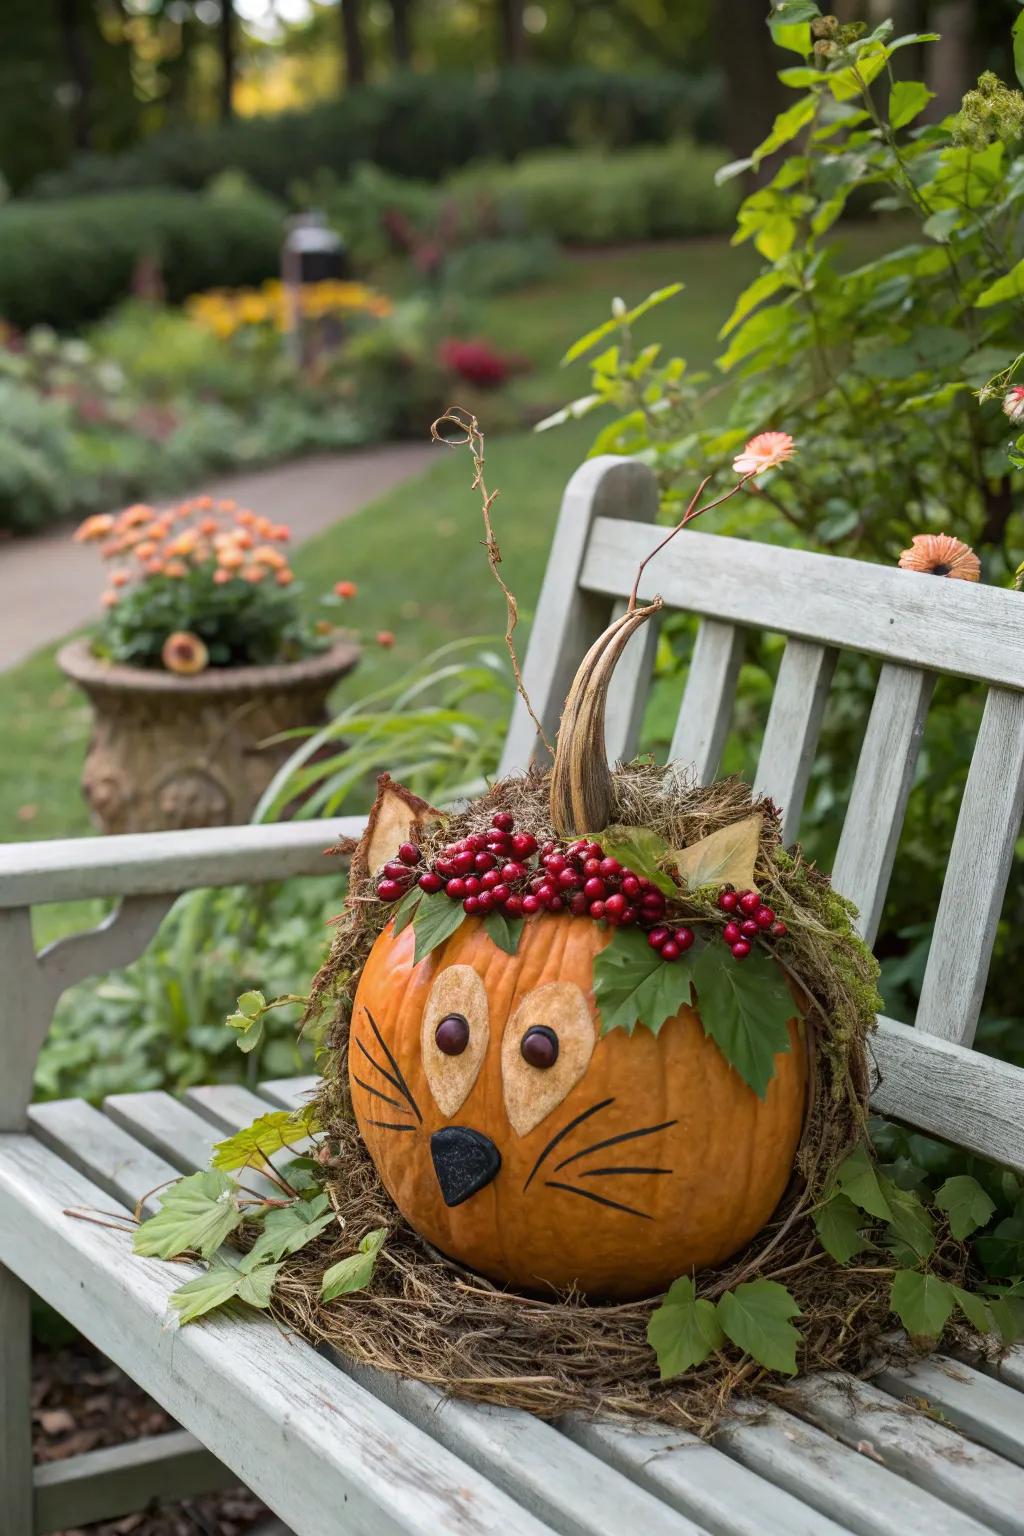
<point>939,554</point>
<point>766,451</point>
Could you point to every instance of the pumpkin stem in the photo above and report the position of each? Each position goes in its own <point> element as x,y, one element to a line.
<point>582,794</point>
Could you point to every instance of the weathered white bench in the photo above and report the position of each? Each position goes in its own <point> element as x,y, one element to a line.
<point>334,1449</point>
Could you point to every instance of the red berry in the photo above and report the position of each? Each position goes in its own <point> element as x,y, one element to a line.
<point>596,910</point>
<point>500,892</point>
<point>555,904</point>
<point>430,882</point>
<point>445,867</point>
<point>489,879</point>
<point>471,904</point>
<point>669,950</point>
<point>628,916</point>
<point>389,890</point>
<point>779,930</point>
<point>523,844</point>
<point>513,871</point>
<point>740,950</point>
<point>749,929</point>
<point>630,887</point>
<point>732,933</point>
<point>548,847</point>
<point>684,938</point>
<point>615,906</point>
<point>610,868</point>
<point>578,849</point>
<point>485,901</point>
<point>554,863</point>
<point>578,904</point>
<point>657,937</point>
<point>456,888</point>
<point>764,917</point>
<point>545,891</point>
<point>594,889</point>
<point>727,901</point>
<point>591,867</point>
<point>484,861</point>
<point>503,820</point>
<point>595,851</point>
<point>749,902</point>
<point>514,905</point>
<point>653,902</point>
<point>464,862</point>
<point>409,853</point>
<point>476,842</point>
<point>531,904</point>
<point>568,879</point>
<point>395,871</point>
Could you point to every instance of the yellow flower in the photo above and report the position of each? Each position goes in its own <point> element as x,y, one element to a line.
<point>184,653</point>
<point>95,527</point>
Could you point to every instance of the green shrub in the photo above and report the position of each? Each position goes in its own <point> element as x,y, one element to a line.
<point>66,262</point>
<point>415,125</point>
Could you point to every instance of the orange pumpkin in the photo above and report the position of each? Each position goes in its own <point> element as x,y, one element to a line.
<point>523,1144</point>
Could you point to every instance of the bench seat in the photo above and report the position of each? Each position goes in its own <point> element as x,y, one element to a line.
<point>315,1436</point>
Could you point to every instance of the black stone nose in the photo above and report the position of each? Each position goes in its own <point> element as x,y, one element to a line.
<point>464,1162</point>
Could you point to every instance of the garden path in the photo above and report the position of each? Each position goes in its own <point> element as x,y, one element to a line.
<point>50,587</point>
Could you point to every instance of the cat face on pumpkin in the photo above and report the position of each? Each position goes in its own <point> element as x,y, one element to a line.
<point>523,1144</point>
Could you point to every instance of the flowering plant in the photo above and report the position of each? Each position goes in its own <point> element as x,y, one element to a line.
<point>202,583</point>
<point>226,311</point>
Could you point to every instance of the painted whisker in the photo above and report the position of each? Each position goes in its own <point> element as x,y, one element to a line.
<point>368,1088</point>
<point>598,1173</point>
<point>562,1134</point>
<point>613,1141</point>
<point>588,1194</point>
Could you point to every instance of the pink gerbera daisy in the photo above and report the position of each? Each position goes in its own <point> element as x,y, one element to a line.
<point>763,452</point>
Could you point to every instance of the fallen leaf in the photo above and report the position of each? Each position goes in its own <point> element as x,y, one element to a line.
<point>55,1421</point>
<point>726,857</point>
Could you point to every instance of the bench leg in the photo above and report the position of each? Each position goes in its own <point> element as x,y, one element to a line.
<point>15,1407</point>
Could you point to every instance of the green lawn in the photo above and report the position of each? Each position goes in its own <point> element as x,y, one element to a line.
<point>415,553</point>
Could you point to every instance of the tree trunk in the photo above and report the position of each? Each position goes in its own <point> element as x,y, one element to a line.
<point>950,71</point>
<point>79,67</point>
<point>511,37</point>
<point>750,62</point>
<point>401,33</point>
<point>227,59</point>
<point>352,39</point>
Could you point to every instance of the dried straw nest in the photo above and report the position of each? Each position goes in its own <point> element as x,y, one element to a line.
<point>428,1318</point>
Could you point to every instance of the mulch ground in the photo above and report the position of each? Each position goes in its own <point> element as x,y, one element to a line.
<point>81,1402</point>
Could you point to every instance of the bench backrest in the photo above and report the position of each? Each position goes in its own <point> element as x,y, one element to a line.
<point>926,1075</point>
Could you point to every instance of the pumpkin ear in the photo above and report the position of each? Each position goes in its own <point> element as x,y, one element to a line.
<point>397,816</point>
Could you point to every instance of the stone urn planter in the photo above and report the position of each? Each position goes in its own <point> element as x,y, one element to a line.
<point>169,751</point>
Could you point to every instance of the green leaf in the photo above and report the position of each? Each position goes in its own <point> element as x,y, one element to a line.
<point>906,99</point>
<point>406,909</point>
<point>196,1214</point>
<point>745,1007</point>
<point>1001,1251</point>
<point>504,931</point>
<point>756,1316</point>
<point>838,1225</point>
<point>657,297</point>
<point>1009,286</point>
<point>785,128</point>
<point>251,1004</point>
<point>976,1310</point>
<point>922,1302</point>
<point>640,850</point>
<point>909,1220</point>
<point>355,1272</point>
<point>221,1283</point>
<point>251,1038</point>
<point>1018,47</point>
<point>764,328</point>
<point>857,1178</point>
<point>633,985</point>
<point>965,1203</point>
<point>288,1228</point>
<point>436,919</point>
<point>267,1135</point>
<point>852,81</point>
<point>763,287</point>
<point>684,1330</point>
<point>1008,1313</point>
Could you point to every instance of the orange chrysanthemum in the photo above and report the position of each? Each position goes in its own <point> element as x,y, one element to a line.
<point>939,554</point>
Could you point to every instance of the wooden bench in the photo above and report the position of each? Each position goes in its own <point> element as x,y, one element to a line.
<point>335,1449</point>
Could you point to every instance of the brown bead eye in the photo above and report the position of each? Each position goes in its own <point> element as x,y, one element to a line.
<point>452,1034</point>
<point>539,1046</point>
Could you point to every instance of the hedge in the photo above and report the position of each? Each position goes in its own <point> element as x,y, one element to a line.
<point>65,263</point>
<point>421,126</point>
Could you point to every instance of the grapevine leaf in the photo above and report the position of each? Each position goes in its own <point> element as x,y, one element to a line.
<point>270,1133</point>
<point>288,1228</point>
<point>406,910</point>
<point>727,857</point>
<point>756,1316</point>
<point>684,1330</point>
<point>745,1007</point>
<point>922,1302</point>
<point>838,1225</point>
<point>221,1283</point>
<point>197,1213</point>
<point>909,1220</point>
<point>640,850</point>
<point>504,931</point>
<point>634,985</point>
<point>435,920</point>
<point>857,1179</point>
<point>355,1272</point>
<point>965,1203</point>
<point>1001,1251</point>
<point>976,1310</point>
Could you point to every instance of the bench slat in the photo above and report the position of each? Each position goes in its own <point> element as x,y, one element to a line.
<point>121,1479</point>
<point>979,865</point>
<point>15,1405</point>
<point>289,1092</point>
<point>706,711</point>
<point>791,735</point>
<point>304,1437</point>
<point>881,788</point>
<point>989,1411</point>
<point>105,1153</point>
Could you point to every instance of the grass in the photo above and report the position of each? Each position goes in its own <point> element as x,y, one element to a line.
<point>415,554</point>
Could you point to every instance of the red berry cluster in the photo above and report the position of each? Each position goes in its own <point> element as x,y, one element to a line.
<point>497,871</point>
<point>749,919</point>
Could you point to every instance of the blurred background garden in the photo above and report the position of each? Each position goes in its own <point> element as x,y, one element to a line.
<point>490,175</point>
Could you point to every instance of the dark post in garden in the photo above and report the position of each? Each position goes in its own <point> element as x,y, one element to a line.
<point>312,253</point>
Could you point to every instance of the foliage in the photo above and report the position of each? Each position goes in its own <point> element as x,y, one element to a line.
<point>66,262</point>
<point>457,118</point>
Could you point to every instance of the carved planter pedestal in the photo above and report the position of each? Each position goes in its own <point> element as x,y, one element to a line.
<point>170,751</point>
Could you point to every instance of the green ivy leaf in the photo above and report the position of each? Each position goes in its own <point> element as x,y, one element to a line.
<point>976,1310</point>
<point>909,1220</point>
<point>406,909</point>
<point>907,99</point>
<point>965,1203</point>
<point>745,1007</point>
<point>504,931</point>
<point>196,1214</point>
<point>640,850</point>
<point>756,1316</point>
<point>857,1178</point>
<point>1001,1251</point>
<point>222,1283</point>
<point>355,1272</point>
<point>288,1228</point>
<point>838,1224</point>
<point>633,985</point>
<point>684,1330</point>
<point>269,1134</point>
<point>922,1302</point>
<point>435,920</point>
